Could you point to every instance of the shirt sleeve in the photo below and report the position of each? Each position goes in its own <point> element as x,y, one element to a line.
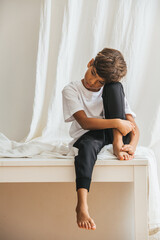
<point>71,103</point>
<point>128,109</point>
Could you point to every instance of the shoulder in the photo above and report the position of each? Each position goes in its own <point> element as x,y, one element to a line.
<point>71,88</point>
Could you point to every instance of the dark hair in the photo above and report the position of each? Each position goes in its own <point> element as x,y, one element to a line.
<point>110,65</point>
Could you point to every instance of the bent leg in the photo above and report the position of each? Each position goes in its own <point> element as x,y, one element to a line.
<point>113,100</point>
<point>114,107</point>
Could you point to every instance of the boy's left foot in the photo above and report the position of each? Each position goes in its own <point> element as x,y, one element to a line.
<point>83,218</point>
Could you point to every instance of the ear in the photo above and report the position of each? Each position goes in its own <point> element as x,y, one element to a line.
<point>90,63</point>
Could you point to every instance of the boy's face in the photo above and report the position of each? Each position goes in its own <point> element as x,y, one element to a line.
<point>91,80</point>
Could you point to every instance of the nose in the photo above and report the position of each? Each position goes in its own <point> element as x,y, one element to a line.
<point>93,81</point>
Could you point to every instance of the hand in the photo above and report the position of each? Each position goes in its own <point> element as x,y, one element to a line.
<point>126,126</point>
<point>129,149</point>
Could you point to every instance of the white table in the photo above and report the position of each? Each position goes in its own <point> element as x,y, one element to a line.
<point>14,170</point>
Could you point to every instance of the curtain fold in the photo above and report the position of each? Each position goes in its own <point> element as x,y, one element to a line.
<point>41,72</point>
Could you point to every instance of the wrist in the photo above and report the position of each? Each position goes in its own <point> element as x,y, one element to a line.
<point>116,123</point>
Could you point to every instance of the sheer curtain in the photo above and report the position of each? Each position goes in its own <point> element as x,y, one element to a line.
<point>71,33</point>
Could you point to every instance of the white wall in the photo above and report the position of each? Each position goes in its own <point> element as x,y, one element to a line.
<point>19,29</point>
<point>41,211</point>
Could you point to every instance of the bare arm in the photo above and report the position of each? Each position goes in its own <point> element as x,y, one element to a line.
<point>86,123</point>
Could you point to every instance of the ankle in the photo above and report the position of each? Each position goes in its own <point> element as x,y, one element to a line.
<point>82,206</point>
<point>117,143</point>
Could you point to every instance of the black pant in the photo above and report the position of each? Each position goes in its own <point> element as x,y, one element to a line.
<point>90,143</point>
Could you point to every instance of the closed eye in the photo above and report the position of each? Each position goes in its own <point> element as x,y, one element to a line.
<point>94,74</point>
<point>101,82</point>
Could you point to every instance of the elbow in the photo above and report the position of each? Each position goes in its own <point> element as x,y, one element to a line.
<point>84,125</point>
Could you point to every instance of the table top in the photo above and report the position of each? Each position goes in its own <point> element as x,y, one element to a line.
<point>8,162</point>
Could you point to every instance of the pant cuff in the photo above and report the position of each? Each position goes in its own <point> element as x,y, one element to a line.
<point>83,182</point>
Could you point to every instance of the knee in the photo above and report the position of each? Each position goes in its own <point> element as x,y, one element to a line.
<point>112,89</point>
<point>87,145</point>
<point>90,148</point>
<point>113,86</point>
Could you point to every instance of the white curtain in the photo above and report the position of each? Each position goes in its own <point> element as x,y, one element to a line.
<point>71,33</point>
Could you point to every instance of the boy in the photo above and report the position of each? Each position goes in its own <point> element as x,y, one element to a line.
<point>100,115</point>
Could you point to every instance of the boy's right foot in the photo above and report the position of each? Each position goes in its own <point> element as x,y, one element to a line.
<point>121,155</point>
<point>83,218</point>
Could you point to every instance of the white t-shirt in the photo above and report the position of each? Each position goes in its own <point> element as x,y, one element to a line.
<point>75,98</point>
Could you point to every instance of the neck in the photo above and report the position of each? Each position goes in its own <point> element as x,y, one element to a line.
<point>88,88</point>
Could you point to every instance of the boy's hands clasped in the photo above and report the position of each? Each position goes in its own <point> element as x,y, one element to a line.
<point>126,126</point>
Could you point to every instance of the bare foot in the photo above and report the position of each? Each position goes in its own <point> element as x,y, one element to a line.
<point>121,155</point>
<point>83,218</point>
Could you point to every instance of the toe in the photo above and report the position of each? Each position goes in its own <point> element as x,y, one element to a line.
<point>120,156</point>
<point>93,225</point>
<point>89,227</point>
<point>80,224</point>
<point>86,225</point>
